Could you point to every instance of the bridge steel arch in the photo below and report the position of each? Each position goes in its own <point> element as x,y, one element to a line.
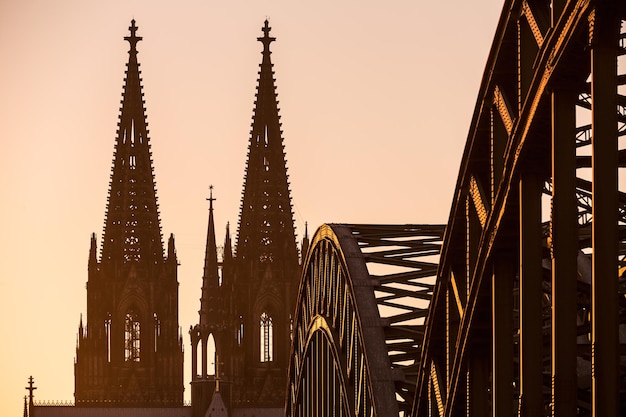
<point>359,321</point>
<point>528,313</point>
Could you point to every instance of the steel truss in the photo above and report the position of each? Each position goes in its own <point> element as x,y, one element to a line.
<point>528,316</point>
<point>359,322</point>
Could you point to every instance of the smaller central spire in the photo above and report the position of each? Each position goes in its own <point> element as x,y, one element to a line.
<point>133,38</point>
<point>266,39</point>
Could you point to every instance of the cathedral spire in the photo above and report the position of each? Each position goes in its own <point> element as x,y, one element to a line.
<point>210,256</point>
<point>260,287</point>
<point>228,247</point>
<point>305,242</point>
<point>93,256</point>
<point>266,219</point>
<point>129,351</point>
<point>210,279</point>
<point>132,231</point>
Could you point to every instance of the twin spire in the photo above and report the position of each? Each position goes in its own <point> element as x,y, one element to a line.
<point>266,218</point>
<point>132,229</point>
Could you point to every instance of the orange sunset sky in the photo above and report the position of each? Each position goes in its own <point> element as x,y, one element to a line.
<point>376,100</point>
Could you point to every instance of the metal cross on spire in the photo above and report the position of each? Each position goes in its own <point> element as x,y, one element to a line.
<point>133,38</point>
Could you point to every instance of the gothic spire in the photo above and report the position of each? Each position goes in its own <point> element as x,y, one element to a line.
<point>266,219</point>
<point>132,231</point>
<point>93,256</point>
<point>228,247</point>
<point>210,256</point>
<point>305,242</point>
<point>210,279</point>
<point>131,330</point>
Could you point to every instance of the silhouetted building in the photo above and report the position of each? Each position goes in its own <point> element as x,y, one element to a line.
<point>129,355</point>
<point>130,352</point>
<point>248,299</point>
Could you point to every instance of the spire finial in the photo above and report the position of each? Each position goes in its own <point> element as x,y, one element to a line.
<point>211,199</point>
<point>133,38</point>
<point>266,39</point>
<point>30,389</point>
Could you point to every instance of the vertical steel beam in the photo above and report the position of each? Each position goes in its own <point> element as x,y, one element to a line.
<point>605,359</point>
<point>451,330</point>
<point>564,254</point>
<point>502,335</point>
<point>478,364</point>
<point>468,395</point>
<point>530,294</point>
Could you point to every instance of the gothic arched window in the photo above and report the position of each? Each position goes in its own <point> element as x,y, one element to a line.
<point>267,336</point>
<point>211,367</point>
<point>132,337</point>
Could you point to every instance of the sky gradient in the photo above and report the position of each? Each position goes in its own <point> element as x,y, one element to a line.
<point>375,103</point>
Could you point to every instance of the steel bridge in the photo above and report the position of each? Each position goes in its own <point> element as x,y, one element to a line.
<point>359,323</point>
<point>519,309</point>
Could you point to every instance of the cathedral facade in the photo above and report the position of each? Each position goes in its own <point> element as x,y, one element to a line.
<point>129,353</point>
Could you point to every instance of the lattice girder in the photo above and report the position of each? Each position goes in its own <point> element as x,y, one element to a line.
<point>366,288</point>
<point>529,299</point>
